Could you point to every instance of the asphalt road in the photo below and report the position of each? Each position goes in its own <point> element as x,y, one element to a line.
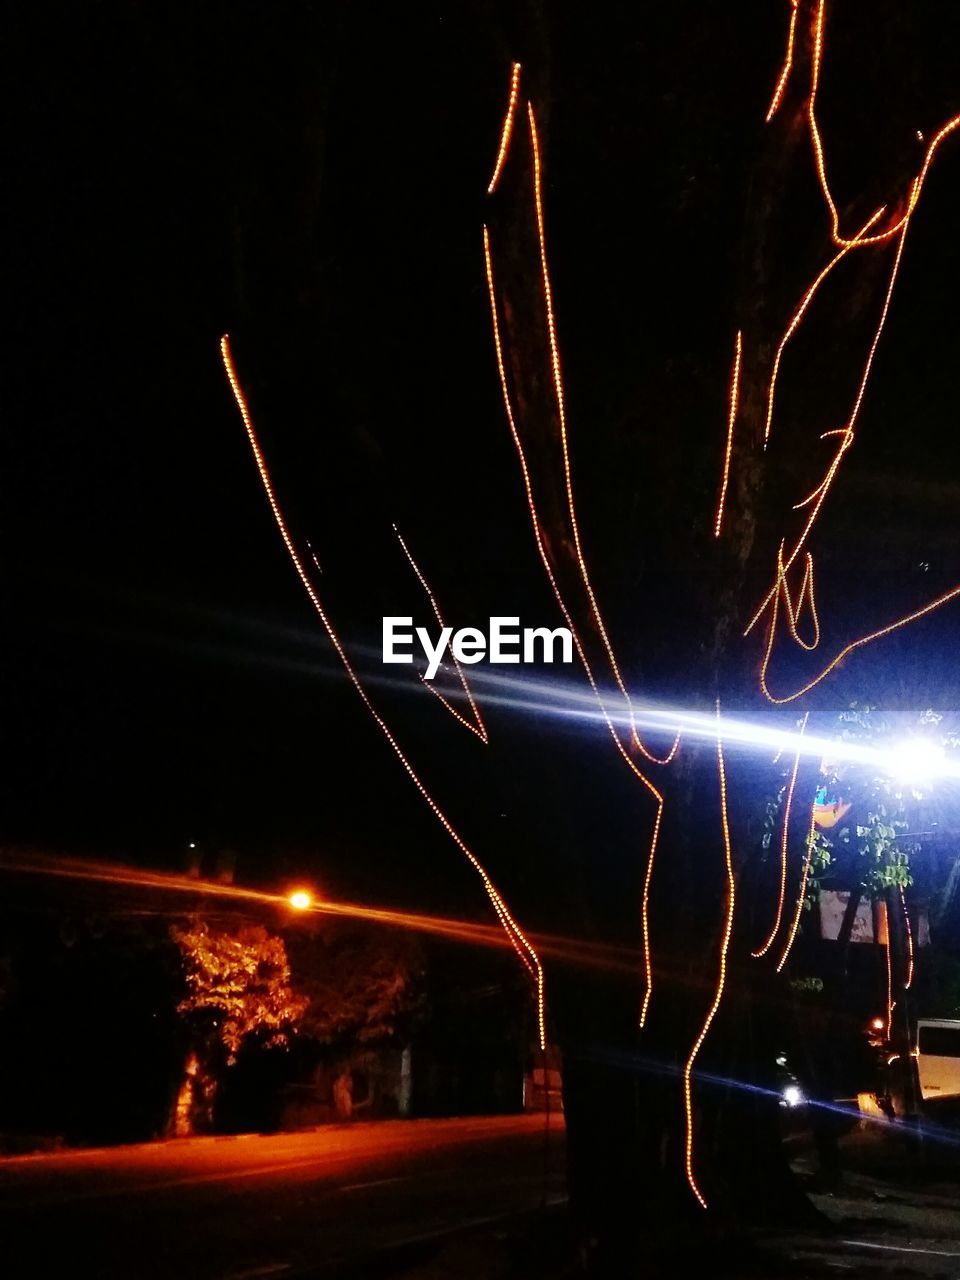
<point>332,1199</point>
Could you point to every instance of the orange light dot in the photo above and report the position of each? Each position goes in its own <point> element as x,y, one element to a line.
<point>301,900</point>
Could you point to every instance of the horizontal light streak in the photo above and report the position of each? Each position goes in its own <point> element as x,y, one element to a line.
<point>567,702</point>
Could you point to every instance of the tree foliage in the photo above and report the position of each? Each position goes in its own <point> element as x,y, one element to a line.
<point>238,984</point>
<point>871,853</point>
<point>358,983</point>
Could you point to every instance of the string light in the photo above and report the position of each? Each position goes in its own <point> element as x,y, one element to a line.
<point>564,444</point>
<point>916,185</point>
<point>801,896</point>
<point>478,727</point>
<point>861,643</point>
<point>890,1004</point>
<point>800,311</point>
<point>521,944</point>
<point>846,434</point>
<point>506,133</point>
<point>722,977</point>
<point>906,920</point>
<point>806,593</point>
<point>734,401</point>
<point>783,853</point>
<point>787,64</point>
<point>581,652</point>
<point>861,239</point>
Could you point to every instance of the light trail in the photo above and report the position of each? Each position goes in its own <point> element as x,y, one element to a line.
<point>721,977</point>
<point>477,727</point>
<point>581,652</point>
<point>800,311</point>
<point>560,398</point>
<point>765,947</point>
<point>521,945</point>
<point>734,401</point>
<point>525,695</point>
<point>908,981</point>
<point>787,65</point>
<point>852,647</point>
<point>916,185</point>
<point>576,951</point>
<point>846,434</point>
<point>506,132</point>
<point>802,893</point>
<point>808,592</point>
<point>885,916</point>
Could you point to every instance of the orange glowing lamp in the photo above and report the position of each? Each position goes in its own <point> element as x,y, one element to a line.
<point>301,900</point>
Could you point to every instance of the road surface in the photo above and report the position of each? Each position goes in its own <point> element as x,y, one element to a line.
<point>281,1205</point>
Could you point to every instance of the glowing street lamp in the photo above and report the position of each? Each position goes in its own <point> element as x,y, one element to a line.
<point>301,900</point>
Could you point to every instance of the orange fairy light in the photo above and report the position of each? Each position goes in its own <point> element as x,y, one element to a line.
<point>916,185</point>
<point>301,900</point>
<point>721,979</point>
<point>787,64</point>
<point>884,919</point>
<point>506,132</point>
<point>478,727</point>
<point>807,593</point>
<point>562,605</point>
<point>801,310</point>
<point>850,648</point>
<point>521,944</point>
<point>801,896</point>
<point>731,420</point>
<point>564,443</point>
<point>908,981</point>
<point>783,853</point>
<point>846,435</point>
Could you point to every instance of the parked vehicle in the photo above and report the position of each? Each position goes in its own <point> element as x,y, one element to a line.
<point>938,1058</point>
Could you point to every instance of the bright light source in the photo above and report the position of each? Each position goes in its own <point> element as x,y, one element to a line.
<point>793,1096</point>
<point>916,761</point>
<point>300,900</point>
<point>877,1024</point>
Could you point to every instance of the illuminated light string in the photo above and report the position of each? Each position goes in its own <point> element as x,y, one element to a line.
<point>506,133</point>
<point>916,185</point>
<point>846,439</point>
<point>808,593</point>
<point>890,1001</point>
<point>478,727</point>
<point>802,307</point>
<point>819,494</point>
<point>854,645</point>
<point>762,950</point>
<point>521,944</point>
<point>801,895</point>
<point>845,443</point>
<point>787,65</point>
<point>721,979</point>
<point>909,932</point>
<point>734,400</point>
<point>564,443</point>
<point>581,653</point>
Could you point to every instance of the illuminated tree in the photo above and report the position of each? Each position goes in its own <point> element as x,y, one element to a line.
<point>238,992</point>
<point>691,565</point>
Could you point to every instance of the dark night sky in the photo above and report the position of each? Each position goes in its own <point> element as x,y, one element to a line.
<point>310,177</point>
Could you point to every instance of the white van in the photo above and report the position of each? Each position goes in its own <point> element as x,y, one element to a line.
<point>938,1057</point>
